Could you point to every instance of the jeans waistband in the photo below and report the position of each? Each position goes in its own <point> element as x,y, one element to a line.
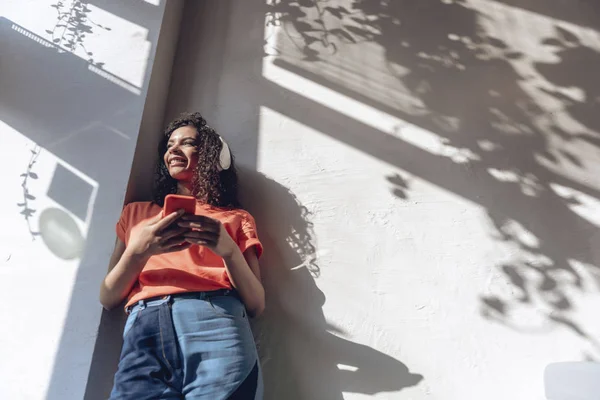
<point>156,301</point>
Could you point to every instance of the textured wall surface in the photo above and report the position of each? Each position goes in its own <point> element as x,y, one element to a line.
<point>73,84</point>
<point>423,174</point>
<point>426,186</point>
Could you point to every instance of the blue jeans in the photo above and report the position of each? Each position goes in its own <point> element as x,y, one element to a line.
<point>188,346</point>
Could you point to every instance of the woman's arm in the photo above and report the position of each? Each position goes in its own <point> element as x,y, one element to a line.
<point>244,274</point>
<point>146,239</point>
<point>124,269</point>
<point>243,269</point>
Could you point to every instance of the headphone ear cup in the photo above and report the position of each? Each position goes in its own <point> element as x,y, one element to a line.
<point>225,156</point>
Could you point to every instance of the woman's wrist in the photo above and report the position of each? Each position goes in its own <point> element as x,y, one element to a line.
<point>135,258</point>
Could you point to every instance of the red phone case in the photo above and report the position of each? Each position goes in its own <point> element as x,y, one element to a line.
<point>174,202</point>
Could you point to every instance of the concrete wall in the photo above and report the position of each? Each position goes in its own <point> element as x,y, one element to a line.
<point>423,177</point>
<point>109,340</point>
<point>422,174</point>
<point>74,81</point>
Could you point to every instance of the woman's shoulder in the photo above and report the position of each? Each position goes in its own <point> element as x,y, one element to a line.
<point>242,213</point>
<point>231,213</point>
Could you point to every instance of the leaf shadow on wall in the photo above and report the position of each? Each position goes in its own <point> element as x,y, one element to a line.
<point>26,207</point>
<point>50,104</point>
<point>515,134</point>
<point>73,24</point>
<point>297,350</point>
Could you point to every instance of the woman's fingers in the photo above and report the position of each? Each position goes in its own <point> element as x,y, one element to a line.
<point>198,225</point>
<point>201,237</point>
<point>178,247</point>
<point>172,232</point>
<point>198,218</point>
<point>174,241</point>
<point>180,239</point>
<point>168,220</point>
<point>157,217</point>
<point>199,222</point>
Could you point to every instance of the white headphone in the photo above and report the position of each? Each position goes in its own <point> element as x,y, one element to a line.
<point>225,156</point>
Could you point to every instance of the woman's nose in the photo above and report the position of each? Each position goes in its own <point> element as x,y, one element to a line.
<point>174,149</point>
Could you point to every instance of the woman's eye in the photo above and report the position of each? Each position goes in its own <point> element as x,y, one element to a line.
<point>187,143</point>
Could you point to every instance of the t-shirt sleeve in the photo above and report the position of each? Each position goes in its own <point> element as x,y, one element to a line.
<point>248,237</point>
<point>123,224</point>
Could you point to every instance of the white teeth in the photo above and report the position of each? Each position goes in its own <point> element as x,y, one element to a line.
<point>177,161</point>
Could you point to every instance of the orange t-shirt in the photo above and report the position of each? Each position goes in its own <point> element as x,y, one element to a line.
<point>192,270</point>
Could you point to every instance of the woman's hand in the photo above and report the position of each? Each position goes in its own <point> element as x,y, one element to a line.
<point>148,238</point>
<point>208,232</point>
<point>155,237</point>
<point>245,278</point>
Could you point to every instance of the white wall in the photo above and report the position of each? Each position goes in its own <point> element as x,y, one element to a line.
<point>422,174</point>
<point>425,188</point>
<point>73,84</point>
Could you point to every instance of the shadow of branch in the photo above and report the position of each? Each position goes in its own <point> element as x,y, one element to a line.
<point>300,357</point>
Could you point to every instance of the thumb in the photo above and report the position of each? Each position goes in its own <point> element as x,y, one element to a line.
<point>157,217</point>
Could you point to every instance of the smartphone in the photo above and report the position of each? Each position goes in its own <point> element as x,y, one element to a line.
<point>174,202</point>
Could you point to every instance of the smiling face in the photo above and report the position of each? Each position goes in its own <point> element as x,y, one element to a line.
<point>181,157</point>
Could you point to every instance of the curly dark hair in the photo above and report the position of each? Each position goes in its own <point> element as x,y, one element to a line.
<point>213,186</point>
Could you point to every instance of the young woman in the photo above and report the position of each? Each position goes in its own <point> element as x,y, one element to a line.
<point>190,280</point>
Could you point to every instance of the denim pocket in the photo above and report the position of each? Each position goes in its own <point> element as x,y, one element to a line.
<point>228,306</point>
<point>131,320</point>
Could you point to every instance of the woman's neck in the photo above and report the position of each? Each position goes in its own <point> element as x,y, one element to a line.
<point>184,188</point>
